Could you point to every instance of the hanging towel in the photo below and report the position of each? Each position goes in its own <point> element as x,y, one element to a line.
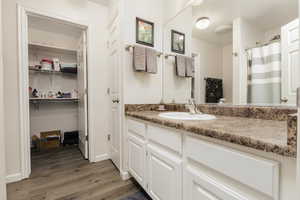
<point>190,67</point>
<point>139,58</point>
<point>151,61</point>
<point>214,90</point>
<point>180,62</point>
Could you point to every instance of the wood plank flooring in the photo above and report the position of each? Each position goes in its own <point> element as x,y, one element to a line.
<point>63,174</point>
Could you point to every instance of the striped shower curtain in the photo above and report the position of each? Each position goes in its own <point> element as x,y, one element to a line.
<point>264,74</point>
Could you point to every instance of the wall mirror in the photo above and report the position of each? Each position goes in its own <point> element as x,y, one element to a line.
<point>243,53</point>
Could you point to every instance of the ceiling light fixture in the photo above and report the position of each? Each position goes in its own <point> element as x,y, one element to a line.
<point>203,23</point>
<point>197,2</point>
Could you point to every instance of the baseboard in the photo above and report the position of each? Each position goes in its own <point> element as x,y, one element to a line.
<point>102,157</point>
<point>14,178</point>
<point>125,176</point>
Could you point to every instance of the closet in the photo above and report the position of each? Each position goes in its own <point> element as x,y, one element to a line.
<point>57,80</point>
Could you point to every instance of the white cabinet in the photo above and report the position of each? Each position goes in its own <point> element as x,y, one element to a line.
<point>164,174</point>
<point>137,159</point>
<point>199,186</point>
<point>171,165</point>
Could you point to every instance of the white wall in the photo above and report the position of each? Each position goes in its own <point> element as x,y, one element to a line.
<point>142,87</point>
<point>176,88</point>
<point>245,35</point>
<point>227,72</point>
<point>2,137</point>
<point>90,13</point>
<point>51,33</point>
<point>211,65</point>
<point>271,33</point>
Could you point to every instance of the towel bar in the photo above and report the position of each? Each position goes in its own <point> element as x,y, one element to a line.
<point>173,55</point>
<point>129,47</point>
<point>169,55</point>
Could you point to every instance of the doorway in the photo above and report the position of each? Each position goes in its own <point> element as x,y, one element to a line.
<point>53,86</point>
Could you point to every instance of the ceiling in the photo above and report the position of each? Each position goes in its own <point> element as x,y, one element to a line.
<point>266,14</point>
<point>102,2</point>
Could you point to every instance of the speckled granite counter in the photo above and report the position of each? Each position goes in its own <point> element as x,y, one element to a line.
<point>267,135</point>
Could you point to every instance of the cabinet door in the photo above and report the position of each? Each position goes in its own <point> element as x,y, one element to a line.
<point>198,186</point>
<point>164,174</point>
<point>137,159</point>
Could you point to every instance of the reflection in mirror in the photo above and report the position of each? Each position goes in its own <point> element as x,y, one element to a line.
<point>177,42</point>
<point>243,53</point>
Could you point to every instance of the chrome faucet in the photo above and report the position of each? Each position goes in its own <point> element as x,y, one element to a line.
<point>191,106</point>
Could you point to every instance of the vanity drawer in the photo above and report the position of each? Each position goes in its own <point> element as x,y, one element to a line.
<point>136,128</point>
<point>165,137</point>
<point>256,173</point>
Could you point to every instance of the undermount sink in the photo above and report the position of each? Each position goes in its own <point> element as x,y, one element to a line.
<point>186,116</point>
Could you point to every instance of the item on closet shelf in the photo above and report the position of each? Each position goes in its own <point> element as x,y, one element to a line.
<point>56,65</point>
<point>51,94</point>
<point>32,67</point>
<point>43,95</point>
<point>36,143</point>
<point>151,60</point>
<point>66,95</point>
<point>74,94</point>
<point>139,59</point>
<point>180,62</point>
<point>38,67</point>
<point>35,93</point>
<point>71,138</point>
<point>30,90</point>
<point>59,94</point>
<point>47,64</point>
<point>50,139</point>
<point>68,68</point>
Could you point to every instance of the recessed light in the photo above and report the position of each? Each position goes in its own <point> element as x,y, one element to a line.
<point>203,23</point>
<point>197,2</point>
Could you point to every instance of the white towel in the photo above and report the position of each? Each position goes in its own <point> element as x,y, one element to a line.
<point>139,58</point>
<point>180,65</point>
<point>151,60</point>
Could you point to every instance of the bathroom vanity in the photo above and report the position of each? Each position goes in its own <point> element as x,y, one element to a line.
<point>245,153</point>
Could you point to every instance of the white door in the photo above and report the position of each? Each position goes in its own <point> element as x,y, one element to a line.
<point>290,62</point>
<point>82,96</point>
<point>198,186</point>
<point>137,159</point>
<point>114,65</point>
<point>164,175</point>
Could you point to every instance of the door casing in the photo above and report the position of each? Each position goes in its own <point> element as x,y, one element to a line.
<point>23,14</point>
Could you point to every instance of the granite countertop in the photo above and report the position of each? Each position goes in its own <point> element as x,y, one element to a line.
<point>260,134</point>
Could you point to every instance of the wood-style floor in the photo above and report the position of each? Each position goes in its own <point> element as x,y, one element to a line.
<point>63,174</point>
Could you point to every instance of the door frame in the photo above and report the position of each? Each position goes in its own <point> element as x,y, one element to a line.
<point>23,72</point>
<point>2,137</point>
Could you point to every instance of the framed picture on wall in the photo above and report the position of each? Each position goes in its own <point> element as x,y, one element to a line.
<point>178,42</point>
<point>144,32</point>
